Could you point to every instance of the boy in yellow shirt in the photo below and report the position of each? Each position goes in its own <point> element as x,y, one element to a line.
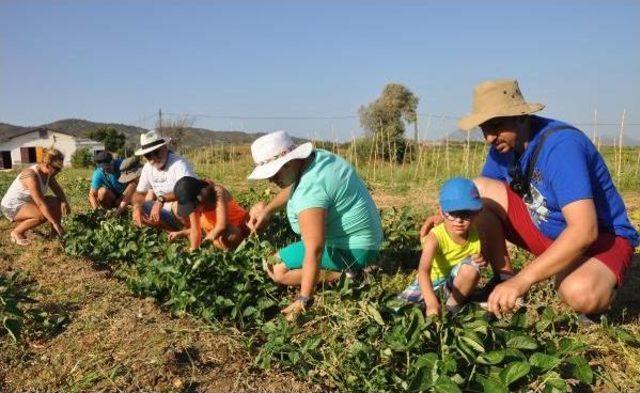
<point>451,258</point>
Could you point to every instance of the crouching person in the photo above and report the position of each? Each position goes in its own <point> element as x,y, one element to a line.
<point>209,207</point>
<point>451,260</point>
<point>154,202</point>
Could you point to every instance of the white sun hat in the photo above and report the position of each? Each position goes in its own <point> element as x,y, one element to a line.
<point>150,141</point>
<point>270,152</point>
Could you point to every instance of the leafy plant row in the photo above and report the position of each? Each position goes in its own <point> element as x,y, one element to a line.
<point>357,337</point>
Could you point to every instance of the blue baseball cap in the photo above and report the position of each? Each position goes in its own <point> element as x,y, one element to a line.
<point>459,193</point>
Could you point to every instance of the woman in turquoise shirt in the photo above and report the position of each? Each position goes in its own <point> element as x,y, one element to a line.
<point>326,203</point>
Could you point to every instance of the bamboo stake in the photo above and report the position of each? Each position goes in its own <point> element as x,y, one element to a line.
<point>619,171</point>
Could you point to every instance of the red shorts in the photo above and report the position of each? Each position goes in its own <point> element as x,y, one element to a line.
<point>614,251</point>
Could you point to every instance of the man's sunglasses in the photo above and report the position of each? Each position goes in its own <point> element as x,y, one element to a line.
<point>519,182</point>
<point>151,154</point>
<point>464,215</point>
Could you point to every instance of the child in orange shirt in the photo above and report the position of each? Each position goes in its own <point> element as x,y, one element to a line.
<point>203,205</point>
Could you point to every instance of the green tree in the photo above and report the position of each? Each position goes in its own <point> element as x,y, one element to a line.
<point>112,139</point>
<point>82,158</point>
<point>384,119</point>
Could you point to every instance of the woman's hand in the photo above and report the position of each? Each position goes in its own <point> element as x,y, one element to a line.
<point>429,223</point>
<point>258,216</point>
<point>292,311</point>
<point>65,208</point>
<point>58,228</point>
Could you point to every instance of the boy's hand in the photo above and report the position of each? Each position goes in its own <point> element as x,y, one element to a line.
<point>479,261</point>
<point>433,308</point>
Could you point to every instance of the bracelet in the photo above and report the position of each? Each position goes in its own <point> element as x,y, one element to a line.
<point>306,301</point>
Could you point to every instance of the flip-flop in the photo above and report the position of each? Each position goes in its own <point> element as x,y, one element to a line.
<point>19,241</point>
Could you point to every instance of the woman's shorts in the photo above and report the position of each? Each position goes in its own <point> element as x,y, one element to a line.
<point>335,259</point>
<point>613,251</point>
<point>10,212</point>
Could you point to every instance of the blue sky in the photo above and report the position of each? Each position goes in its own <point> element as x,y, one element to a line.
<point>121,61</point>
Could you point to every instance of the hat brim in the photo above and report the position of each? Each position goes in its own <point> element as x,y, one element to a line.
<point>458,205</point>
<point>269,169</point>
<point>475,119</point>
<point>142,152</point>
<point>127,177</point>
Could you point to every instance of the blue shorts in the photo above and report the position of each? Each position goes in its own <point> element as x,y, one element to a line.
<point>166,215</point>
<point>334,259</point>
<point>413,294</point>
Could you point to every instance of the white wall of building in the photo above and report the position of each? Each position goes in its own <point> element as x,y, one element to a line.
<point>67,144</point>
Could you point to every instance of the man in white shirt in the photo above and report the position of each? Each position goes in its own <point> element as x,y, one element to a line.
<point>154,200</point>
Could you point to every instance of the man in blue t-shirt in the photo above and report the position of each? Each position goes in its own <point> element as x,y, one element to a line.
<point>550,189</point>
<point>106,191</point>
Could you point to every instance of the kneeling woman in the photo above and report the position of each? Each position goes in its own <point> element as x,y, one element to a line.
<point>203,205</point>
<point>326,203</point>
<point>26,203</point>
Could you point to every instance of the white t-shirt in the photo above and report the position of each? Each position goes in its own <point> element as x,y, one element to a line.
<point>162,181</point>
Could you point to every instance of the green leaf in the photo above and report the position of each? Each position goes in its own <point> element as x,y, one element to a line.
<point>375,314</point>
<point>514,371</point>
<point>580,369</point>
<point>522,342</point>
<point>493,385</point>
<point>473,341</point>
<point>491,357</point>
<point>553,383</point>
<point>543,361</point>
<point>444,384</point>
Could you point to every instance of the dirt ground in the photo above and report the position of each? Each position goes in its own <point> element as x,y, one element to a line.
<point>116,342</point>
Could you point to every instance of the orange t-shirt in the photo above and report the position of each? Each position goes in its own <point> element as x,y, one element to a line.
<point>236,216</point>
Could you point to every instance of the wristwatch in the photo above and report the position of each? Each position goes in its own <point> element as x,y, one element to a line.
<point>161,199</point>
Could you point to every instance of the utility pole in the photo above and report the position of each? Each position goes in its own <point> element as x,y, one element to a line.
<point>160,120</point>
<point>415,129</point>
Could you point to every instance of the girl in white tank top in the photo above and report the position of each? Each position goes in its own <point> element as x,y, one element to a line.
<point>17,194</point>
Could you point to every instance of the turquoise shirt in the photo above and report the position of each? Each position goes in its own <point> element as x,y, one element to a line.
<point>331,183</point>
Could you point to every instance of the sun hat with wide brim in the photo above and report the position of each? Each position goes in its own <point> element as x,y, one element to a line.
<point>130,169</point>
<point>497,98</point>
<point>270,152</point>
<point>150,141</point>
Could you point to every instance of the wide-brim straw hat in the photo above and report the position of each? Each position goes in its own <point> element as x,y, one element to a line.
<point>270,152</point>
<point>497,98</point>
<point>150,141</point>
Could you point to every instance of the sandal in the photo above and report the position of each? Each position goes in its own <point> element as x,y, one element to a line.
<point>18,240</point>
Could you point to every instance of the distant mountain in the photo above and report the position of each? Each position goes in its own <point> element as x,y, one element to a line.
<point>192,137</point>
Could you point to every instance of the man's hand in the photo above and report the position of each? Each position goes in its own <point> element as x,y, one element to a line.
<point>136,215</point>
<point>504,297</point>
<point>258,216</point>
<point>155,212</point>
<point>429,224</point>
<point>65,208</point>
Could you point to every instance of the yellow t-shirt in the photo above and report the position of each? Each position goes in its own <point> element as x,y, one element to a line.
<point>449,252</point>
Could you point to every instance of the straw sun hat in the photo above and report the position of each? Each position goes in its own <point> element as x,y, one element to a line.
<point>270,152</point>
<point>497,98</point>
<point>150,141</point>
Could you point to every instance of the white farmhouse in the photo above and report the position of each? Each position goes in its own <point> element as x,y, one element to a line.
<point>27,147</point>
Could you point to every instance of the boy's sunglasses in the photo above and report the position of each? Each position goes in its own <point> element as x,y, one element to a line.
<point>464,215</point>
